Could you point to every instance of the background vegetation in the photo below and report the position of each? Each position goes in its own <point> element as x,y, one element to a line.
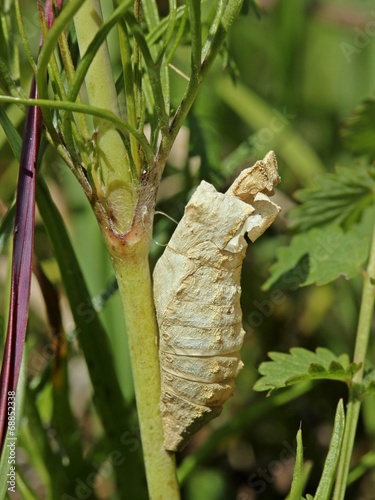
<point>295,70</point>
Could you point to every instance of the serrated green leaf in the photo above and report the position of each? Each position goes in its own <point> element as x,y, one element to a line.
<point>338,198</point>
<point>317,369</point>
<point>300,365</point>
<point>359,130</point>
<point>335,367</point>
<point>320,256</point>
<point>329,471</point>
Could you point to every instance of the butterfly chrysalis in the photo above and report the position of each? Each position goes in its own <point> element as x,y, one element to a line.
<point>197,298</point>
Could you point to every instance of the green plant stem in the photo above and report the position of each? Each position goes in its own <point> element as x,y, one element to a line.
<point>130,260</point>
<point>25,40</point>
<point>133,276</point>
<point>98,112</point>
<point>162,30</point>
<point>50,41</point>
<point>231,11</point>
<point>354,404</point>
<point>113,175</point>
<point>196,34</point>
<point>8,24</point>
<point>92,49</point>
<point>128,75</point>
<point>67,61</point>
<point>153,72</point>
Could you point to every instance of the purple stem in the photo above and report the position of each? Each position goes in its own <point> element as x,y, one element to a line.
<point>23,243</point>
<point>21,262</point>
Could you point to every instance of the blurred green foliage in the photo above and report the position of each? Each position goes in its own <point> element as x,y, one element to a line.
<point>301,67</point>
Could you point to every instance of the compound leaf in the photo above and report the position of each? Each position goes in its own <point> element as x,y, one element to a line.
<point>359,130</point>
<point>302,365</point>
<point>322,255</point>
<point>338,198</point>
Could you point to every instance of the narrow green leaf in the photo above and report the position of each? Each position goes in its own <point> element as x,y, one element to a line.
<point>50,42</point>
<point>161,30</point>
<point>3,476</point>
<point>153,72</point>
<point>119,124</point>
<point>24,489</point>
<point>298,480</point>
<point>42,457</point>
<point>15,141</point>
<point>326,482</point>
<point>151,13</point>
<point>64,421</point>
<point>6,81</point>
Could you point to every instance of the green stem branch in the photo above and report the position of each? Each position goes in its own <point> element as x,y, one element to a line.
<point>199,73</point>
<point>98,112</point>
<point>113,176</point>
<point>354,404</point>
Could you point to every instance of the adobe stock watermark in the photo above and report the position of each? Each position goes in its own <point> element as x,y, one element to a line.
<point>11,442</point>
<point>261,141</point>
<point>84,487</point>
<point>361,39</point>
<point>266,136</point>
<point>264,476</point>
<point>49,351</point>
<point>265,308</point>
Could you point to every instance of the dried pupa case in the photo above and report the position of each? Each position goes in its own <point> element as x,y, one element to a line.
<point>197,298</point>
